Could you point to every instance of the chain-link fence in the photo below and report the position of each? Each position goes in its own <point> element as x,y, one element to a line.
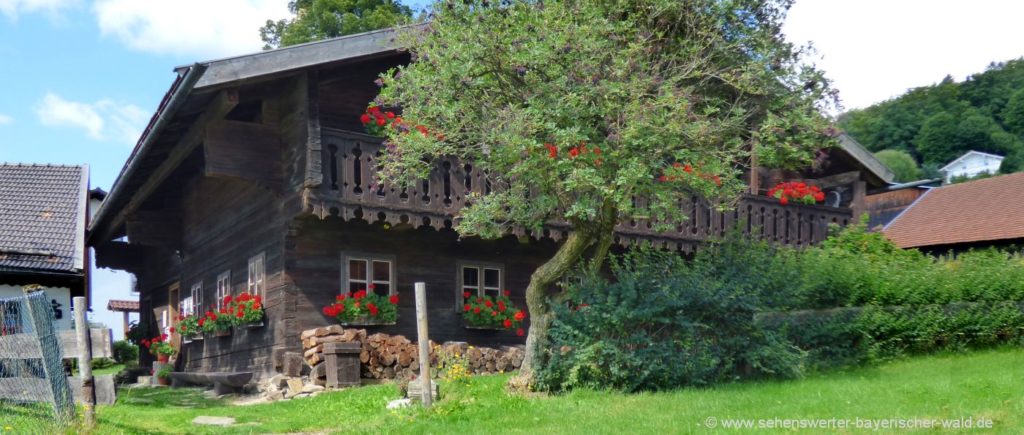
<point>34,391</point>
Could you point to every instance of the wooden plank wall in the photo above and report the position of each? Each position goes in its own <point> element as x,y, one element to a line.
<point>314,265</point>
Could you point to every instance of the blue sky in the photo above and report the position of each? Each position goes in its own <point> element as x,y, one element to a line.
<point>79,79</point>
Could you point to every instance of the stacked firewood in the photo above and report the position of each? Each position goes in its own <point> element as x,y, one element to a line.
<point>386,356</point>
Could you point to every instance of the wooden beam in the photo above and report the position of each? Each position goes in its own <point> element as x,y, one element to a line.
<point>154,228</point>
<point>839,179</point>
<point>121,256</point>
<point>220,106</point>
<point>243,150</point>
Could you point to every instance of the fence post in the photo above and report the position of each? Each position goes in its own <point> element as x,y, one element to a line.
<point>424,342</point>
<point>85,361</point>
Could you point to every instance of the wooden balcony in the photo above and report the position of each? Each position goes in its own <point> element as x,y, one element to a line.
<point>347,190</point>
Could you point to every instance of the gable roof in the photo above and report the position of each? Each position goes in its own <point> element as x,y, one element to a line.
<point>195,85</point>
<point>982,210</point>
<point>968,154</point>
<point>878,172</point>
<point>42,217</point>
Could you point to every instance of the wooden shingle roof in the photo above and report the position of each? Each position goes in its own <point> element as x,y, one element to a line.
<point>990,209</point>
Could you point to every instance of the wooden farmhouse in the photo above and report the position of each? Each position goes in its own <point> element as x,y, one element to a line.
<point>255,175</point>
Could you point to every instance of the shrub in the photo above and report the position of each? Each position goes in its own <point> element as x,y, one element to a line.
<point>102,363</point>
<point>744,309</point>
<point>663,323</point>
<point>125,351</point>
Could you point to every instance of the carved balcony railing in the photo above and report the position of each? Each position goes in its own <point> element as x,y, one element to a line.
<point>347,190</point>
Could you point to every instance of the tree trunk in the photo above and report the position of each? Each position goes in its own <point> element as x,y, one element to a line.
<point>536,298</point>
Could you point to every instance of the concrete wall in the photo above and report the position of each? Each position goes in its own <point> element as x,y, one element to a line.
<point>61,294</point>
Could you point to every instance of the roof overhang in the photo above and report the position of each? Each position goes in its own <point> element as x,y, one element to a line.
<point>876,171</point>
<point>196,82</point>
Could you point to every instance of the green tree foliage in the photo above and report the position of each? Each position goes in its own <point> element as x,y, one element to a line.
<point>1013,113</point>
<point>944,137</point>
<point>938,123</point>
<point>321,19</point>
<point>901,163</point>
<point>577,107</point>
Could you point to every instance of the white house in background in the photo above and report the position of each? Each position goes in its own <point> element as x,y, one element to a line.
<point>44,211</point>
<point>971,164</point>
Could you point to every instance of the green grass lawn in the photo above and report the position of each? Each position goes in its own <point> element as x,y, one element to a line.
<point>987,385</point>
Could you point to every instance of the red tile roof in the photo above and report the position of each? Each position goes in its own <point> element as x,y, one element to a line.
<point>118,305</point>
<point>984,210</point>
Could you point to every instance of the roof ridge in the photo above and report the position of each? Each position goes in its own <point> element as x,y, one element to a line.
<point>41,165</point>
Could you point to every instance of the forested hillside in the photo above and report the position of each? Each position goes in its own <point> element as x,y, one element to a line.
<point>937,123</point>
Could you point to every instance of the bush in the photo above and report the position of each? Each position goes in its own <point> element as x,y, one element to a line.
<point>102,363</point>
<point>744,309</point>
<point>125,351</point>
<point>663,323</point>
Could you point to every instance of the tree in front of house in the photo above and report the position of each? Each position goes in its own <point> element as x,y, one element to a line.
<point>901,163</point>
<point>589,113</point>
<point>321,19</point>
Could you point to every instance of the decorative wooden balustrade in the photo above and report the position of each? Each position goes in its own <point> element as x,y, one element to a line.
<point>348,190</point>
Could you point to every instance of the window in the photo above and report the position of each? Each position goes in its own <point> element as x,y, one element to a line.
<point>257,275</point>
<point>10,319</point>
<point>187,308</point>
<point>196,297</point>
<point>481,279</point>
<point>359,272</point>
<point>223,287</point>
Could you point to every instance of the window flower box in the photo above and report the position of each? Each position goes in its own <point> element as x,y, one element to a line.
<point>363,308</point>
<point>485,312</point>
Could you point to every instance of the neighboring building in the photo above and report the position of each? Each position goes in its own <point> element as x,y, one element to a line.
<point>126,308</point>
<point>971,164</point>
<point>254,175</point>
<point>43,217</point>
<point>883,205</point>
<point>957,217</point>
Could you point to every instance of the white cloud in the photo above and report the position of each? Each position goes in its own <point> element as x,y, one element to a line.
<point>102,120</point>
<point>877,49</point>
<point>5,119</point>
<point>12,8</point>
<point>199,28</point>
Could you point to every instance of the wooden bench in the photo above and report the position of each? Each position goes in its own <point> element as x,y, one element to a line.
<point>222,382</point>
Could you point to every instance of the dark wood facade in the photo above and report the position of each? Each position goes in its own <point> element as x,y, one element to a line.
<point>273,163</point>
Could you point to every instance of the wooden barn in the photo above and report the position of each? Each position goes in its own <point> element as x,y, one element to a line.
<point>255,175</point>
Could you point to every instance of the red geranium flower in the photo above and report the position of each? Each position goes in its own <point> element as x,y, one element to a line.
<point>365,119</point>
<point>519,316</point>
<point>494,313</point>
<point>508,323</point>
<point>507,293</point>
<point>488,303</point>
<point>393,299</point>
<point>466,307</point>
<point>466,295</point>
<point>476,310</point>
<point>520,332</point>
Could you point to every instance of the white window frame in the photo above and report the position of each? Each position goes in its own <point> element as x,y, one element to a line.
<point>223,287</point>
<point>257,281</point>
<point>479,286</point>
<point>187,308</point>
<point>195,298</point>
<point>346,257</point>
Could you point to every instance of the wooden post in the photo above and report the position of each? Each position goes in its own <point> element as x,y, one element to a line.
<point>85,361</point>
<point>125,324</point>
<point>424,341</point>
